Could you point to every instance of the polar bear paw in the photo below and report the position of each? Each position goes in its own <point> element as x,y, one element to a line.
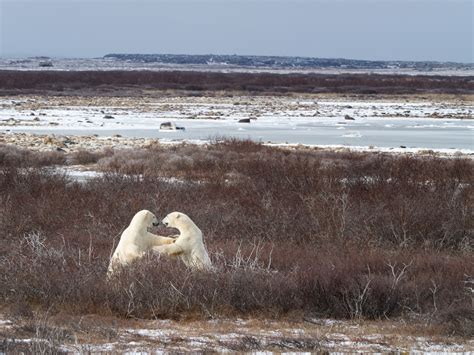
<point>170,240</point>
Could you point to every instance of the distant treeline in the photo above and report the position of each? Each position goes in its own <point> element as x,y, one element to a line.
<point>256,61</point>
<point>106,82</point>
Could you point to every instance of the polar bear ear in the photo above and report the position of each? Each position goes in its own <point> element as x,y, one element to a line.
<point>178,215</point>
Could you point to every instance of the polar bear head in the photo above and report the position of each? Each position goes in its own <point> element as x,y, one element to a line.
<point>144,219</point>
<point>177,220</point>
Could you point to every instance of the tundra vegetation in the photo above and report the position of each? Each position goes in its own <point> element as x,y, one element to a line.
<point>138,83</point>
<point>297,232</point>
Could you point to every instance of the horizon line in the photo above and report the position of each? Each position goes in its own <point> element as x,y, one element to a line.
<point>27,56</point>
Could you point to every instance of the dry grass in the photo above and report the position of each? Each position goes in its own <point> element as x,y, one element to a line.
<point>109,83</point>
<point>345,235</point>
<point>84,157</point>
<point>11,156</point>
<point>58,333</point>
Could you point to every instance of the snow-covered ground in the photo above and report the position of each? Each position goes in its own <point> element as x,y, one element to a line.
<point>238,335</point>
<point>361,125</point>
<point>69,64</point>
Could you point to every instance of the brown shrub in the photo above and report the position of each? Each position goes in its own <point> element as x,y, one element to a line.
<point>84,157</point>
<point>105,82</point>
<point>337,283</point>
<point>16,157</point>
<point>346,235</point>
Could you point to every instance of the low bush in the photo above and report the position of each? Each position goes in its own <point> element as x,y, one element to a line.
<point>84,157</point>
<point>16,157</point>
<point>104,82</point>
<point>347,283</point>
<point>341,234</point>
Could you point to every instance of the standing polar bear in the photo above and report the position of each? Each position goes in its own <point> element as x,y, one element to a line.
<point>189,244</point>
<point>136,240</point>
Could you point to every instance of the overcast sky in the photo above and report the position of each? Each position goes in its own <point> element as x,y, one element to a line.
<point>360,29</point>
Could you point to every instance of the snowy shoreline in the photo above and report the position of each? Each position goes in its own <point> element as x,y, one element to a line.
<point>113,64</point>
<point>224,335</point>
<point>95,143</point>
<point>445,128</point>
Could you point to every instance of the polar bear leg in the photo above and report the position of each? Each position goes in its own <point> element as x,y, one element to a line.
<point>156,240</point>
<point>111,270</point>
<point>121,259</point>
<point>169,249</point>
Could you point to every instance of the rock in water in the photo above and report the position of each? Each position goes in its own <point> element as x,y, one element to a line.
<point>244,120</point>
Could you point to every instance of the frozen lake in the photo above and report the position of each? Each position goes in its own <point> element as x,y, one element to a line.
<point>383,132</point>
<point>74,64</point>
<point>436,126</point>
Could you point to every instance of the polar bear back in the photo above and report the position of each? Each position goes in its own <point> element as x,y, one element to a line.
<point>190,241</point>
<point>130,246</point>
<point>134,241</point>
<point>195,253</point>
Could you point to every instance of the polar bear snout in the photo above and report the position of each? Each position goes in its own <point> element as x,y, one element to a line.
<point>155,222</point>
<point>172,220</point>
<point>165,222</point>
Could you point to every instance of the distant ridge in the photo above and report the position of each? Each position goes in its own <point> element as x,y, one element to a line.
<point>279,62</point>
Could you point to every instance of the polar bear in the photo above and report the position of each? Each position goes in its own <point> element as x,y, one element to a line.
<point>189,244</point>
<point>136,240</point>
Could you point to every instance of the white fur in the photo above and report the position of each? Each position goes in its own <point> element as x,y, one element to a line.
<point>189,245</point>
<point>136,240</point>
